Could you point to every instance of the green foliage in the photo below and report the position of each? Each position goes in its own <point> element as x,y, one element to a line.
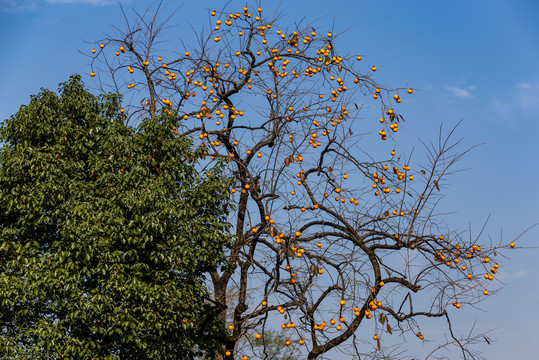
<point>105,233</point>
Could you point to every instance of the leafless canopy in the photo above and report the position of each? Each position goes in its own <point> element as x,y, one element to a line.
<point>326,237</point>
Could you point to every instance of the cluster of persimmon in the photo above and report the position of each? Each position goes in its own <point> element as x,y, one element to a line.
<point>288,325</point>
<point>379,179</point>
<point>373,305</point>
<point>453,260</point>
<point>229,353</point>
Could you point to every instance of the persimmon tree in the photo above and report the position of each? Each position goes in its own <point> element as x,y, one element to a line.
<point>333,239</point>
<point>105,233</point>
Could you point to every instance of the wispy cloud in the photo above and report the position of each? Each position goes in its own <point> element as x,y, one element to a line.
<point>519,274</point>
<point>513,274</point>
<point>528,100</point>
<point>520,100</point>
<point>461,92</point>
<point>524,86</point>
<point>15,6</point>
<point>89,2</point>
<point>18,6</point>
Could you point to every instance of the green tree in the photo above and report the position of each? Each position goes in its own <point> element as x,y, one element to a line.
<point>105,233</point>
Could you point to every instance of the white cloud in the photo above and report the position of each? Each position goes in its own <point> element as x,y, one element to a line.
<point>90,2</point>
<point>14,6</point>
<point>513,274</point>
<point>524,86</point>
<point>519,274</point>
<point>461,92</point>
<point>527,96</point>
<point>517,101</point>
<point>17,6</point>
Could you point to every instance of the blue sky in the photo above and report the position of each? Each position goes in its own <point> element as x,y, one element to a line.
<point>474,61</point>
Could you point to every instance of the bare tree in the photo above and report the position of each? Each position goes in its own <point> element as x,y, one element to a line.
<point>330,237</point>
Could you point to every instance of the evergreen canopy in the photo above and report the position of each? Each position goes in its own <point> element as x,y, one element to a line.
<point>105,231</point>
